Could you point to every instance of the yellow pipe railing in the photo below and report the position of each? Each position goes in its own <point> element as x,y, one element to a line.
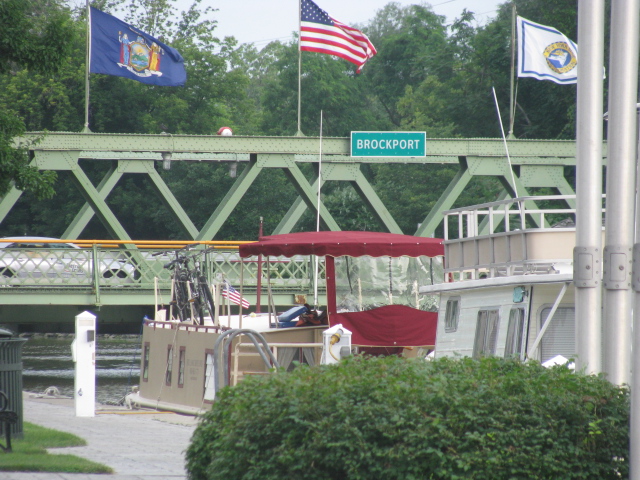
<point>167,244</point>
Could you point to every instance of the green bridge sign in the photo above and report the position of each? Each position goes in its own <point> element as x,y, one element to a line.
<point>388,144</point>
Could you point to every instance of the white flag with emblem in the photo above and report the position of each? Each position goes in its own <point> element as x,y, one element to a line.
<point>545,53</point>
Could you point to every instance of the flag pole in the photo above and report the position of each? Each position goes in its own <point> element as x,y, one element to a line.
<point>299,132</point>
<point>86,69</point>
<point>259,287</point>
<point>86,72</point>
<point>315,283</point>
<point>506,148</point>
<point>512,108</point>
<point>319,176</point>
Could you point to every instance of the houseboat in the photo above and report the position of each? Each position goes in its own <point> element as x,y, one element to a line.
<point>508,288</point>
<point>372,285</point>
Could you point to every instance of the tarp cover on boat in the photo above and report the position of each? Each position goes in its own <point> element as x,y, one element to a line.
<point>390,326</point>
<point>340,243</point>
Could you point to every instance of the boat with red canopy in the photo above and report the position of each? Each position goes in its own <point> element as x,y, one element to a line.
<point>392,326</point>
<point>372,282</point>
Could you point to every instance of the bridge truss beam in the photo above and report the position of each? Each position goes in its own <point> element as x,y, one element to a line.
<point>535,163</point>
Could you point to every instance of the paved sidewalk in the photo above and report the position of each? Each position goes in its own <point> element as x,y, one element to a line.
<point>137,444</point>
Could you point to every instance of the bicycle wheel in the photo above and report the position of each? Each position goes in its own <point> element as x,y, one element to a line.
<point>204,287</point>
<point>181,299</point>
<point>197,301</point>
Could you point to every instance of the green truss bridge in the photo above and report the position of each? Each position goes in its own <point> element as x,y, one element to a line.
<point>531,164</point>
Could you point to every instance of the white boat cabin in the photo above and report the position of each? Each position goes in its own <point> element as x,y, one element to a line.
<point>508,287</point>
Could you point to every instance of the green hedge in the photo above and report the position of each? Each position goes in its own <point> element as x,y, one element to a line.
<point>392,418</point>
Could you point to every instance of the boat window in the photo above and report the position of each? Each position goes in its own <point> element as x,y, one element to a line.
<point>452,314</point>
<point>515,333</point>
<point>181,366</point>
<point>290,357</point>
<point>559,339</point>
<point>209,388</point>
<point>167,379</point>
<point>486,333</point>
<point>145,364</point>
<point>365,283</point>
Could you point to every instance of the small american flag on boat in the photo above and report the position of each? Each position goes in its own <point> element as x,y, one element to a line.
<point>233,295</point>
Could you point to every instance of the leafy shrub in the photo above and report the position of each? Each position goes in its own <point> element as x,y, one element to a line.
<point>392,418</point>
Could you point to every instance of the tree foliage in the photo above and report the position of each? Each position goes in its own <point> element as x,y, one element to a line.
<point>393,418</point>
<point>35,36</point>
<point>428,76</point>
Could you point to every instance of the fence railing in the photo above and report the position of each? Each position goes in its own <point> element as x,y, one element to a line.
<point>105,264</point>
<point>543,211</point>
<point>520,236</point>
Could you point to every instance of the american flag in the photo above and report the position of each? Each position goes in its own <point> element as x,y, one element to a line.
<point>233,295</point>
<point>321,33</point>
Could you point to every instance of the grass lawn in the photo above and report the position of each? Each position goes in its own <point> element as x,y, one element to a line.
<point>30,455</point>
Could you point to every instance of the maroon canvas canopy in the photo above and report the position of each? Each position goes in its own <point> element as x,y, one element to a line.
<point>338,244</point>
<point>390,326</point>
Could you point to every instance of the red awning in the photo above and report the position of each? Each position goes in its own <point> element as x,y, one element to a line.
<point>337,244</point>
<point>389,326</point>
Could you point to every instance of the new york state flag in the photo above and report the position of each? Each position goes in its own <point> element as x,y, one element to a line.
<point>119,49</point>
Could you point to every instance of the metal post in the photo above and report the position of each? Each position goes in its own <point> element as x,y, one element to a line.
<point>623,83</point>
<point>512,100</point>
<point>634,422</point>
<point>83,349</point>
<point>587,254</point>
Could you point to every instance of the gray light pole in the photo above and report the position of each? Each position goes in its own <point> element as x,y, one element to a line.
<point>621,173</point>
<point>587,254</point>
<point>634,425</point>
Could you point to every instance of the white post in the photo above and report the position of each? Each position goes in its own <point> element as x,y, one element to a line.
<point>83,350</point>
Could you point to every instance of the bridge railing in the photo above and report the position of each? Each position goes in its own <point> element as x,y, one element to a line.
<point>105,265</point>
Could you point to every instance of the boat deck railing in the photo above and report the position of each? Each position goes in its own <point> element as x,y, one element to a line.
<point>521,236</point>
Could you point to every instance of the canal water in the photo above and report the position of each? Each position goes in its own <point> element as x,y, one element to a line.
<point>47,363</point>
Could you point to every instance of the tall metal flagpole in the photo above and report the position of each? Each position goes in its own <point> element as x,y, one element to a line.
<point>317,266</point>
<point>512,100</point>
<point>621,173</point>
<point>506,147</point>
<point>86,72</point>
<point>299,132</point>
<point>587,254</point>
<point>319,176</point>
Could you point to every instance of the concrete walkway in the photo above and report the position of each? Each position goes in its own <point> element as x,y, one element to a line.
<point>137,444</point>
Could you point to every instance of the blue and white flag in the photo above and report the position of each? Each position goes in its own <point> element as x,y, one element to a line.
<point>545,53</point>
<point>119,49</point>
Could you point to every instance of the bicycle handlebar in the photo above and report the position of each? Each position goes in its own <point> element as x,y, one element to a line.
<point>184,259</point>
<point>179,260</point>
<point>186,247</point>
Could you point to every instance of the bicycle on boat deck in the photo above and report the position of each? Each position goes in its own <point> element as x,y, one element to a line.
<point>190,293</point>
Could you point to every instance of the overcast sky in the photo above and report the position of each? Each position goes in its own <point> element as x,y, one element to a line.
<point>261,21</point>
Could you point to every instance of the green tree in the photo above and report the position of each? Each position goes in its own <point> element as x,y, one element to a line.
<point>215,92</point>
<point>428,75</point>
<point>328,84</point>
<point>412,44</point>
<point>215,95</point>
<point>544,110</point>
<point>37,36</point>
